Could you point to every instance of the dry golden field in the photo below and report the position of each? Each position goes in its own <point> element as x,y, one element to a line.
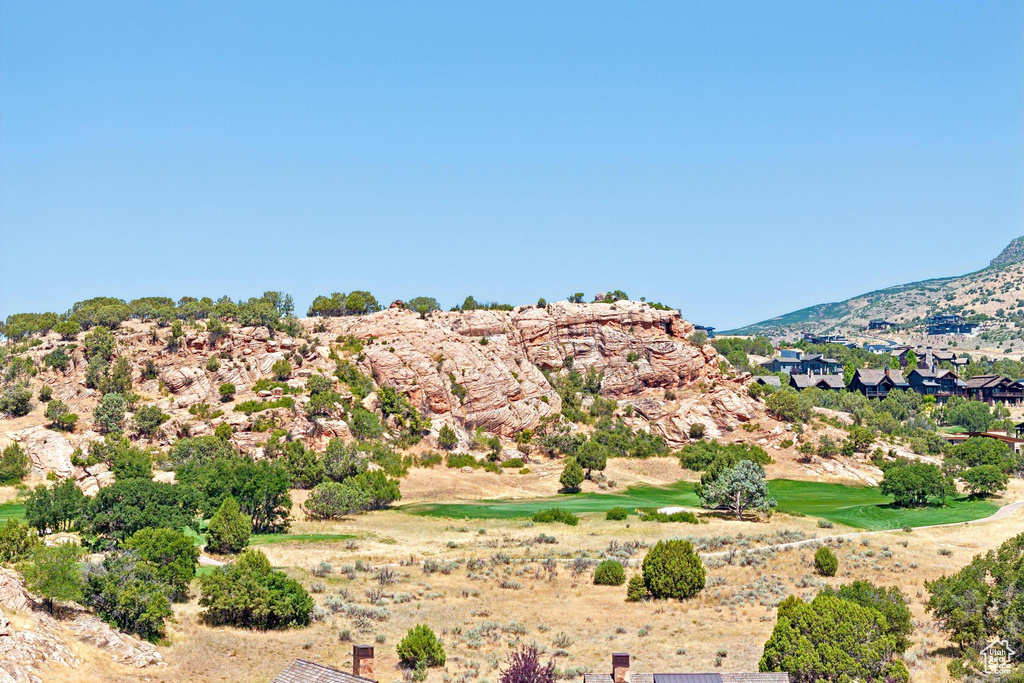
<point>498,582</point>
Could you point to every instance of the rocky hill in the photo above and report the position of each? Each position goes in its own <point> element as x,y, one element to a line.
<point>492,370</point>
<point>995,291</point>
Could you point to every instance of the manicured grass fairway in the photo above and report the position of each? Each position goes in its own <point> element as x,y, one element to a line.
<point>12,511</point>
<point>861,507</point>
<point>266,539</point>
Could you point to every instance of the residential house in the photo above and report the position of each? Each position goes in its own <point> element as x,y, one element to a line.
<point>621,674</point>
<point>817,364</point>
<point>708,329</point>
<point>938,383</point>
<point>768,381</point>
<point>827,382</point>
<point>950,324</point>
<point>900,353</point>
<point>787,365</point>
<point>992,388</point>
<point>813,364</point>
<point>877,348</point>
<point>790,353</point>
<point>303,671</point>
<point>877,383</point>
<point>879,324</point>
<point>812,338</point>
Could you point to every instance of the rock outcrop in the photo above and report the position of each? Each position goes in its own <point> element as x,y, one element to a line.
<point>472,369</point>
<point>486,368</point>
<point>24,652</point>
<point>49,451</point>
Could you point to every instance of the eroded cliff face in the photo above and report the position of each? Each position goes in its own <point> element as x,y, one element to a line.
<point>500,357</point>
<point>485,369</point>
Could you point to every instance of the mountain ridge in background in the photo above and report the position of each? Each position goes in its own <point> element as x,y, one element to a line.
<point>996,287</point>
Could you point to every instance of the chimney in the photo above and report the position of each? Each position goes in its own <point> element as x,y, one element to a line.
<point>620,667</point>
<point>362,660</point>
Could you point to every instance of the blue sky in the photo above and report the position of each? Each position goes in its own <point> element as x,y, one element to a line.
<point>736,160</point>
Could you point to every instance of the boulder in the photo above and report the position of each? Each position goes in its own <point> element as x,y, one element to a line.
<point>49,451</point>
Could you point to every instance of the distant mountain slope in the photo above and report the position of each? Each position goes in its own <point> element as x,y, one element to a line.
<point>999,287</point>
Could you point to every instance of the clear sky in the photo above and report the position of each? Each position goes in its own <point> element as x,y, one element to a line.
<point>736,160</point>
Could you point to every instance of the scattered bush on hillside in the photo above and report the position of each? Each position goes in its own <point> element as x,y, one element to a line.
<point>825,562</point>
<point>551,515</point>
<point>672,569</point>
<point>421,647</point>
<point>609,573</point>
<point>249,593</point>
<point>229,529</point>
<point>14,465</point>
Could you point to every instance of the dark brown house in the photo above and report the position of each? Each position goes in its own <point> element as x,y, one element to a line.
<point>937,383</point>
<point>992,388</point>
<point>877,383</point>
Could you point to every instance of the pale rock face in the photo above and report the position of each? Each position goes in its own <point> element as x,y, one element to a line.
<point>49,451</point>
<point>505,390</point>
<point>23,653</point>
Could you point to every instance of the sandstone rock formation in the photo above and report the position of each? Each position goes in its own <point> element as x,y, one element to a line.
<point>488,369</point>
<point>25,652</point>
<point>499,358</point>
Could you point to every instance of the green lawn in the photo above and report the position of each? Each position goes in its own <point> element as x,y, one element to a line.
<point>266,539</point>
<point>12,511</point>
<point>861,507</point>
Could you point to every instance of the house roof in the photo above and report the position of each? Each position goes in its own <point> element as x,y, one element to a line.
<point>822,381</point>
<point>873,377</point>
<point>770,380</point>
<point>985,381</point>
<point>303,671</point>
<point>724,677</point>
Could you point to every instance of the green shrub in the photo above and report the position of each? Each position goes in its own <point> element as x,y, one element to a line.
<point>249,593</point>
<point>513,463</point>
<point>679,516</point>
<point>556,515</point>
<point>109,413</point>
<point>227,391</point>
<point>609,573</point>
<point>672,569</point>
<point>421,647</point>
<point>126,592</point>
<point>572,475</point>
<point>14,465</point>
<point>447,438</point>
<point>255,406</point>
<point>173,555</point>
<point>825,562</point>
<point>16,539</point>
<point>229,529</point>
<point>60,416</point>
<point>282,369</point>
<point>636,590</point>
<point>460,460</point>
<point>212,364</point>
<point>616,514</point>
<point>16,400</point>
<point>148,419</point>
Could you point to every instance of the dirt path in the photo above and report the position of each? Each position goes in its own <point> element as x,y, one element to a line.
<point>1001,513</point>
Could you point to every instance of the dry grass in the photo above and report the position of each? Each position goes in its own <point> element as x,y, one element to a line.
<point>479,619</point>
